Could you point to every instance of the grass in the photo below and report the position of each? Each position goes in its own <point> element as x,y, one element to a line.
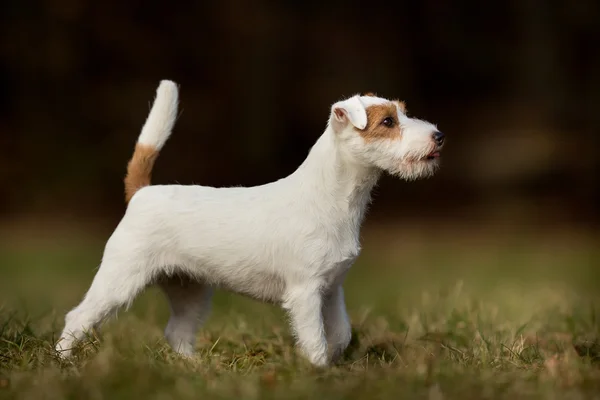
<point>478,316</point>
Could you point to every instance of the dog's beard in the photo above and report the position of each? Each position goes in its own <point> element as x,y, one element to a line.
<point>411,170</point>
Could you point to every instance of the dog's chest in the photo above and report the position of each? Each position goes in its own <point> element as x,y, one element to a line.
<point>337,252</point>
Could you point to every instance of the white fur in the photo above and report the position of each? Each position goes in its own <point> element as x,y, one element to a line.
<point>162,116</point>
<point>289,242</point>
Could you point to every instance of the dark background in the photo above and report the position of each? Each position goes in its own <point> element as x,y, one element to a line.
<point>515,85</point>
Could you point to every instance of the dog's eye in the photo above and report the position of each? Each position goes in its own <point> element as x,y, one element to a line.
<point>389,121</point>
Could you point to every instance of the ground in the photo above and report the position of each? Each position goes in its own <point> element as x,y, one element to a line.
<point>467,315</point>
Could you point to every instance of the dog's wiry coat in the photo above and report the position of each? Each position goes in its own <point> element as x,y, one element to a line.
<point>289,242</point>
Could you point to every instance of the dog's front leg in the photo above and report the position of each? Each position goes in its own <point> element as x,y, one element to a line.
<point>337,323</point>
<point>303,303</point>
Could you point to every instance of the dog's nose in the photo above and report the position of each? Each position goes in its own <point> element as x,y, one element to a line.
<point>438,137</point>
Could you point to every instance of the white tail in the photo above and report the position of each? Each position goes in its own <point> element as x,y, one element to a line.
<point>163,114</point>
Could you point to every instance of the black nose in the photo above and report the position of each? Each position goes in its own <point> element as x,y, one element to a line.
<point>438,137</point>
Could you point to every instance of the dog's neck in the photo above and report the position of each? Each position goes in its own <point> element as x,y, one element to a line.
<point>333,181</point>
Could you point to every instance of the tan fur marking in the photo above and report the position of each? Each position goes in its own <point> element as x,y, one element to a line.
<point>401,105</point>
<point>375,130</point>
<point>369,94</point>
<point>139,169</point>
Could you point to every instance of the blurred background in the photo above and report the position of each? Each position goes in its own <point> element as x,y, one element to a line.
<point>513,84</point>
<point>503,240</point>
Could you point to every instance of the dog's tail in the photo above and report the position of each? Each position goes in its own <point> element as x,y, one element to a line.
<point>155,133</point>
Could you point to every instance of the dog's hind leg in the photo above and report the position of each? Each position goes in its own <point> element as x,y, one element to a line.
<point>190,304</point>
<point>120,278</point>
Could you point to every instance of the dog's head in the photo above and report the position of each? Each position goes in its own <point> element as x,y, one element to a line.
<point>377,132</point>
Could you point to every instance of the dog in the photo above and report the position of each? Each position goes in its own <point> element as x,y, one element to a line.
<point>290,242</point>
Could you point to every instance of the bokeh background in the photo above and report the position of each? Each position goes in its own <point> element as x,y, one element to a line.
<point>513,84</point>
<point>503,243</point>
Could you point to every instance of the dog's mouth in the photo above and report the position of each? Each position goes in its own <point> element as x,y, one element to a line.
<point>433,155</point>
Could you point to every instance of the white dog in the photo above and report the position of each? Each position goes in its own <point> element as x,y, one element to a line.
<point>289,242</point>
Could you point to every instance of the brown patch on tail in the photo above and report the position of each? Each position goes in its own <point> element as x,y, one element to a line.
<point>139,169</point>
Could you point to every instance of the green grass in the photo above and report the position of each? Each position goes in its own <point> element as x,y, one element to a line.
<point>465,316</point>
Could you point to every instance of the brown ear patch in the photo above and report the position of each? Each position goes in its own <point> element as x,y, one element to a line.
<point>401,105</point>
<point>376,129</point>
<point>369,94</point>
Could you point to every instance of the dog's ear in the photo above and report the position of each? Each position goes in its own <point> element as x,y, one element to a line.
<point>347,111</point>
